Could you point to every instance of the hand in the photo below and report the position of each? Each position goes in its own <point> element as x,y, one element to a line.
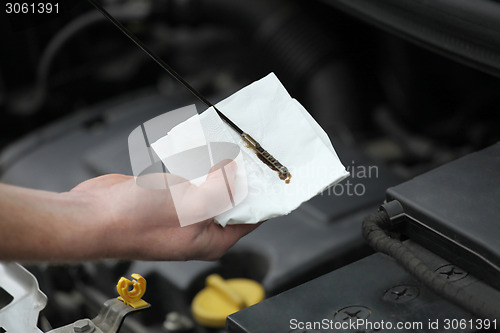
<point>142,223</point>
<point>113,217</point>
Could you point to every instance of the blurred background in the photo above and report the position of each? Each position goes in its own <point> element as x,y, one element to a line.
<point>72,87</point>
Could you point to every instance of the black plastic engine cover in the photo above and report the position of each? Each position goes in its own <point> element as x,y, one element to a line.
<point>371,295</point>
<point>466,31</point>
<point>454,210</point>
<point>452,215</point>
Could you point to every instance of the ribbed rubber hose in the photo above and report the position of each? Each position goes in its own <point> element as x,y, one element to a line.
<point>377,238</point>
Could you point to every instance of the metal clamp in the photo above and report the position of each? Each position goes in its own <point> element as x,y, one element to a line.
<point>109,319</point>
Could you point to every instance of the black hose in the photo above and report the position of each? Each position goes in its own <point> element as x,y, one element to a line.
<point>40,91</point>
<point>300,51</point>
<point>377,238</point>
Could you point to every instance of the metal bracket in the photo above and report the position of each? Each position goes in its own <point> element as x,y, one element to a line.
<point>21,314</point>
<point>108,320</point>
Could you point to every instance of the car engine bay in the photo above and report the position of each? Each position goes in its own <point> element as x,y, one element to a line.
<point>410,124</point>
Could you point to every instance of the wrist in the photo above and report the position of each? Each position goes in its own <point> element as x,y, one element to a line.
<point>84,230</point>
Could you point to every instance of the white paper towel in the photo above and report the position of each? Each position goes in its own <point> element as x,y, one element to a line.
<point>282,126</point>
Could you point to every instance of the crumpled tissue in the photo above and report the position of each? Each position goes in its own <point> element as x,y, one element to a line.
<point>283,127</point>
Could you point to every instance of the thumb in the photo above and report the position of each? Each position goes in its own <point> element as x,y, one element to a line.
<point>211,198</point>
<point>228,168</point>
<point>216,191</point>
<point>221,177</point>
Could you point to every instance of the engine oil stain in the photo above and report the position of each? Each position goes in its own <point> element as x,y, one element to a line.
<point>286,178</point>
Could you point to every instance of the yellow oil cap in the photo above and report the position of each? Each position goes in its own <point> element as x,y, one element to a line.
<point>220,298</point>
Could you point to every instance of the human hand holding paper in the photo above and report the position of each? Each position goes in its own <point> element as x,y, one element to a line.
<point>283,127</point>
<point>122,217</point>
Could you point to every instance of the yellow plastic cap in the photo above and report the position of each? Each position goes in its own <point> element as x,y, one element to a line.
<point>220,298</point>
<point>132,297</point>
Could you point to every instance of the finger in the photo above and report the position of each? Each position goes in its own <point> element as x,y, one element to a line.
<point>211,198</point>
<point>217,188</point>
<point>239,230</point>
<point>220,239</point>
